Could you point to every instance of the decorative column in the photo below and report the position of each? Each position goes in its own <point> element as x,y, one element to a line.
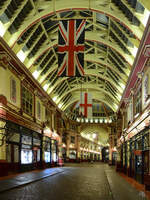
<point>110,145</point>
<point>78,148</point>
<point>60,131</point>
<point>67,147</point>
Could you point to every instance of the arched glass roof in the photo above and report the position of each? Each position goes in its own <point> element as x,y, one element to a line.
<point>113,32</point>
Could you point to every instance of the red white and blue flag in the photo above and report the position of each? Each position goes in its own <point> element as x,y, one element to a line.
<point>71,48</point>
<point>86,104</point>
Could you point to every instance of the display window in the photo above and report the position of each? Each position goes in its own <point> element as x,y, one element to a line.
<point>36,142</point>
<point>54,157</point>
<point>26,149</point>
<point>15,138</point>
<point>47,156</point>
<point>72,154</point>
<point>54,150</point>
<point>26,140</point>
<point>47,149</point>
<point>26,156</point>
<point>12,155</point>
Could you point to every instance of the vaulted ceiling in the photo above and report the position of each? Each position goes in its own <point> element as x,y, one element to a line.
<point>113,32</point>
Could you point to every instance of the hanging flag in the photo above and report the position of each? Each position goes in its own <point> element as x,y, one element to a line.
<point>86,105</point>
<point>71,48</point>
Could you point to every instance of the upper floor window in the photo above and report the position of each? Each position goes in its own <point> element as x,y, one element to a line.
<point>145,88</point>
<point>130,111</point>
<point>27,101</point>
<point>38,110</point>
<point>138,102</point>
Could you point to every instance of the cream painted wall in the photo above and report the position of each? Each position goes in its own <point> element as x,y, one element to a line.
<point>5,76</point>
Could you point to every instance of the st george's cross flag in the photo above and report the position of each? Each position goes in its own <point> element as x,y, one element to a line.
<point>86,104</point>
<point>71,48</point>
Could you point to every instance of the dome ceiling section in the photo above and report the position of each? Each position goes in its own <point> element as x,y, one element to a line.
<point>111,42</point>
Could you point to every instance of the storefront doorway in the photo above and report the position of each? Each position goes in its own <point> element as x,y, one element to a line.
<point>138,167</point>
<point>12,156</point>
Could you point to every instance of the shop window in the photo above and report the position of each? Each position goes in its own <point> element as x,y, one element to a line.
<point>14,138</point>
<point>26,156</point>
<point>26,149</point>
<point>47,156</point>
<point>36,142</point>
<point>16,153</point>
<point>12,155</point>
<point>72,139</point>
<point>139,144</point>
<point>54,150</point>
<point>146,141</point>
<point>46,145</point>
<point>26,139</point>
<point>72,154</point>
<point>27,101</point>
<point>54,157</point>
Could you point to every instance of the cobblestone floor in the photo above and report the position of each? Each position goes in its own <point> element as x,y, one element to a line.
<point>77,182</point>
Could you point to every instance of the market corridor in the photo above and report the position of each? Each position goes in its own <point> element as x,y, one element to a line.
<point>76,182</point>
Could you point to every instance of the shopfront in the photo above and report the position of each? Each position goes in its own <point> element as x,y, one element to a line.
<point>31,149</point>
<point>54,152</point>
<point>47,150</point>
<point>139,155</point>
<point>13,147</point>
<point>23,148</point>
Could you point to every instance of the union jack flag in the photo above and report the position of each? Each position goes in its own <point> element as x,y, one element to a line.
<point>71,48</point>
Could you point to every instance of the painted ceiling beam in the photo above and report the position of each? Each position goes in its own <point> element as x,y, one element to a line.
<point>69,6</point>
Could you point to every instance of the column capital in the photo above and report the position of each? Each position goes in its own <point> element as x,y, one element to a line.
<point>140,75</point>
<point>132,91</point>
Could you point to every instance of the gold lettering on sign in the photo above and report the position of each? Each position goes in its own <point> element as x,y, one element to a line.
<point>4,59</point>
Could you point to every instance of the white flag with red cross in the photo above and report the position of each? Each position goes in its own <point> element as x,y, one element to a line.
<point>86,104</point>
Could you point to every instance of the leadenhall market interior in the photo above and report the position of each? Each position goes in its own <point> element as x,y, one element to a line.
<point>75,86</point>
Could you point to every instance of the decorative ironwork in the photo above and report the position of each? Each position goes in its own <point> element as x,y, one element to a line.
<point>6,134</point>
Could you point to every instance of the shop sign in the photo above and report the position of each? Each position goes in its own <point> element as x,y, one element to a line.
<point>137,152</point>
<point>26,139</point>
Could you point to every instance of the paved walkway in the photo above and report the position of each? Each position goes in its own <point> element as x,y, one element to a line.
<point>83,181</point>
<point>22,179</point>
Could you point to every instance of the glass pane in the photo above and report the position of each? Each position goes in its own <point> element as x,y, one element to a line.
<point>54,157</point>
<point>47,156</point>
<point>36,142</point>
<point>26,156</point>
<point>8,154</point>
<point>38,155</point>
<point>16,153</point>
<point>26,139</point>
